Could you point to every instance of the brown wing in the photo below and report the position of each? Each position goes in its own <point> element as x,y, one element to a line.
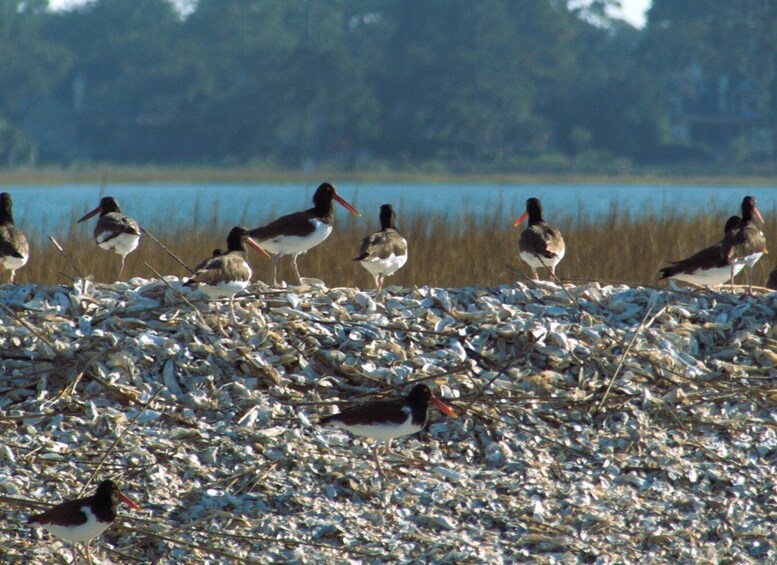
<point>707,258</point>
<point>298,223</point>
<point>116,224</point>
<point>742,242</point>
<point>13,243</point>
<point>228,267</point>
<point>65,514</point>
<point>380,245</point>
<point>542,240</point>
<point>377,411</point>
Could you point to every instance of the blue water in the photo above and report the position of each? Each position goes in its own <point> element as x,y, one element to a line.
<point>43,210</point>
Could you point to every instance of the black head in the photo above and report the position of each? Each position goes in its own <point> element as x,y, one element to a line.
<point>534,209</point>
<point>749,209</point>
<point>420,395</point>
<point>322,200</point>
<point>731,224</point>
<point>107,490</point>
<point>6,206</point>
<point>324,194</point>
<point>108,204</point>
<point>236,240</point>
<point>387,216</point>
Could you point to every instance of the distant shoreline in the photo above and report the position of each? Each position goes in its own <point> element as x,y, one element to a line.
<point>144,174</point>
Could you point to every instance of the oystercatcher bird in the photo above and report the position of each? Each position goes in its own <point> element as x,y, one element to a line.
<point>299,232</point>
<point>226,274</point>
<point>384,420</point>
<point>745,244</point>
<point>84,519</point>
<point>114,231</point>
<point>540,244</point>
<point>706,267</point>
<point>384,252</point>
<point>14,249</point>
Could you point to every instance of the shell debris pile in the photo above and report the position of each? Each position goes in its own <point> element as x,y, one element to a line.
<point>598,423</point>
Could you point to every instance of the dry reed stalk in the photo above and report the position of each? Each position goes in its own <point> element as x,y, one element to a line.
<point>469,251</point>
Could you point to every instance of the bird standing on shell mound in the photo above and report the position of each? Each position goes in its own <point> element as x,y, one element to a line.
<point>540,244</point>
<point>14,249</point>
<point>84,519</point>
<point>299,232</point>
<point>705,267</point>
<point>114,231</point>
<point>226,274</point>
<point>384,420</point>
<point>384,252</point>
<point>744,245</point>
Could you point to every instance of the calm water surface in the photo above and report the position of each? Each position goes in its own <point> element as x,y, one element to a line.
<point>42,210</point>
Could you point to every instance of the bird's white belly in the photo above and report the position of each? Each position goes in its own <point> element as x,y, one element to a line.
<point>81,533</point>
<point>226,288</point>
<point>709,277</point>
<point>121,244</point>
<point>387,266</point>
<point>292,244</point>
<point>12,263</point>
<point>535,263</point>
<point>381,431</point>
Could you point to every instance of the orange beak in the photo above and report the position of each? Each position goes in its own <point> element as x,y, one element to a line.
<point>758,215</point>
<point>128,501</point>
<point>520,220</point>
<point>90,214</point>
<point>255,245</point>
<point>444,408</point>
<point>347,206</point>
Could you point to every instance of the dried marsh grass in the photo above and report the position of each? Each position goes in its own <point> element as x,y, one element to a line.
<point>464,250</point>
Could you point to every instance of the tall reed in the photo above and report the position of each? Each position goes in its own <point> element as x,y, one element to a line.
<point>463,250</point>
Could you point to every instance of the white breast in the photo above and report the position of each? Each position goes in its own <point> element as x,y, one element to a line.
<point>81,533</point>
<point>534,262</point>
<point>12,263</point>
<point>291,244</point>
<point>382,431</point>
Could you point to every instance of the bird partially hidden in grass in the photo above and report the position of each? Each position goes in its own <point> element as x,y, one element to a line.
<point>384,420</point>
<point>84,519</point>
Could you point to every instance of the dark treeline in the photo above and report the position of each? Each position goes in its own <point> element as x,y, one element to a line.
<point>455,84</point>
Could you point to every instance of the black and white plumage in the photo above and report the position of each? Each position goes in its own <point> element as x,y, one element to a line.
<point>114,231</point>
<point>14,249</point>
<point>294,234</point>
<point>383,252</point>
<point>224,274</point>
<point>84,519</point>
<point>384,420</point>
<point>705,267</point>
<point>744,245</point>
<point>540,245</point>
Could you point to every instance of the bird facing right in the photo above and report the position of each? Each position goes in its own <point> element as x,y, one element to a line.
<point>383,252</point>
<point>84,519</point>
<point>384,420</point>
<point>743,246</point>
